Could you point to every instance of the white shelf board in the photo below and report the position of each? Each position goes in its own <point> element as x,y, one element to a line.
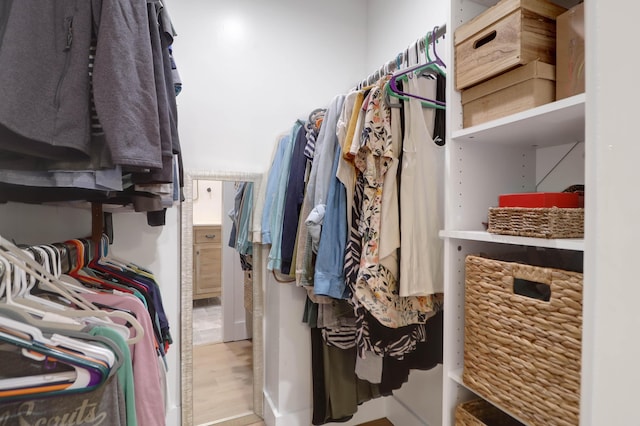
<point>550,124</point>
<point>576,244</point>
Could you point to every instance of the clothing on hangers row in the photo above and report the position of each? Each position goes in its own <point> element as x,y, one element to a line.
<point>353,217</point>
<point>81,327</point>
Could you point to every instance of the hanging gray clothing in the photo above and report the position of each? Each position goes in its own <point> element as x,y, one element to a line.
<point>45,109</point>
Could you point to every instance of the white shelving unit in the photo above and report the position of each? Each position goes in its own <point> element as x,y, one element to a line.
<point>484,161</point>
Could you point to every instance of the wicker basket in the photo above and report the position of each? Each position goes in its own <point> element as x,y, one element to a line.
<point>521,353</point>
<point>479,412</point>
<point>550,222</point>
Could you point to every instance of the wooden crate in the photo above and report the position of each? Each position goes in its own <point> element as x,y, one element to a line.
<point>511,33</point>
<point>525,87</point>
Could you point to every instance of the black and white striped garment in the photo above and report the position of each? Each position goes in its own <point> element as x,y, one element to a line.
<point>312,131</point>
<point>384,341</point>
<point>342,337</point>
<point>246,262</point>
<point>353,249</point>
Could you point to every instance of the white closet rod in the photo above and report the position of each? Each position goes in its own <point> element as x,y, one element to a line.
<point>392,65</point>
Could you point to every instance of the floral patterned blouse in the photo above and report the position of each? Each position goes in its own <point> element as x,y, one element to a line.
<point>376,287</point>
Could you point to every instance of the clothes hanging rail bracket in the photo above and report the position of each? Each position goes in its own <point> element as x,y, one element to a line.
<point>97,223</point>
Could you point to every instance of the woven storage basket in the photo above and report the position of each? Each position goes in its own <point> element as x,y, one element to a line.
<point>550,222</point>
<point>521,353</point>
<point>480,413</point>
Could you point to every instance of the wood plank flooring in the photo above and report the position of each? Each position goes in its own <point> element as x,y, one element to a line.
<point>250,420</point>
<point>222,381</point>
<point>379,422</point>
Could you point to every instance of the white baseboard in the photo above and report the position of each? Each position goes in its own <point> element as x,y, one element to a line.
<point>173,416</point>
<point>370,410</point>
<point>240,330</point>
<point>272,417</point>
<point>400,414</point>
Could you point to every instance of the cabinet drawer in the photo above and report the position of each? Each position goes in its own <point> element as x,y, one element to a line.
<point>207,234</point>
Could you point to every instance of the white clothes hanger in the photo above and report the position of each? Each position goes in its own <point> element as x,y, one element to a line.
<point>10,294</point>
<point>65,279</point>
<point>87,310</point>
<point>57,340</point>
<point>24,283</point>
<point>45,278</point>
<point>82,377</point>
<point>72,316</point>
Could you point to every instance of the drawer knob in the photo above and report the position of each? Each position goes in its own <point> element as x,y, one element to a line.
<point>210,235</point>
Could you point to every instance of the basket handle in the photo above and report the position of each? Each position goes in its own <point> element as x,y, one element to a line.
<point>532,273</point>
<point>528,279</point>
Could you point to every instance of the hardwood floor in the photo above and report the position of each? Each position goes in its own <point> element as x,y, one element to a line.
<point>207,321</point>
<point>379,422</point>
<point>223,383</point>
<point>250,420</point>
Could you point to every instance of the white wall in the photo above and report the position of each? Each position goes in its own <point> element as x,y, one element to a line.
<point>555,176</point>
<point>394,25</point>
<point>207,202</point>
<point>251,67</point>
<point>33,224</point>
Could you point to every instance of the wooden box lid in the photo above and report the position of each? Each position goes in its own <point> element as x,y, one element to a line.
<point>500,10</point>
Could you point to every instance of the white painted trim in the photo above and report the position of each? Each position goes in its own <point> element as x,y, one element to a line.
<point>270,413</point>
<point>370,410</point>
<point>173,416</point>
<point>400,414</point>
<point>226,419</point>
<point>240,330</point>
